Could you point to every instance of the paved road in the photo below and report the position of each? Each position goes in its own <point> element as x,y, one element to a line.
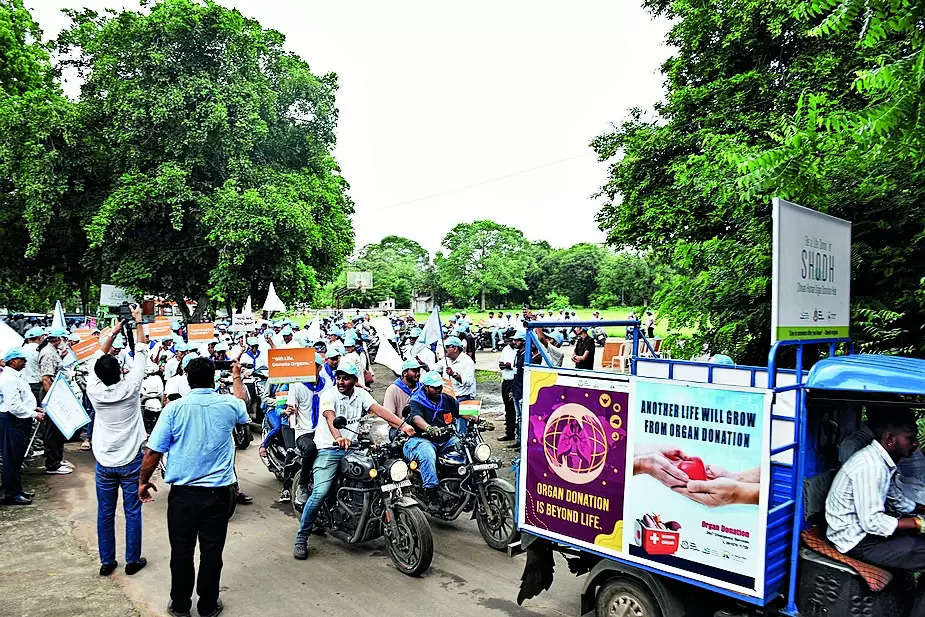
<point>260,576</point>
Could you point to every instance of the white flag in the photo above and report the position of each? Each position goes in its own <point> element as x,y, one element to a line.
<point>386,354</point>
<point>313,332</point>
<point>432,332</point>
<point>273,303</point>
<point>57,320</point>
<point>9,338</point>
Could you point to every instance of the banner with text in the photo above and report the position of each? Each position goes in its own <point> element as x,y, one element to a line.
<point>811,274</point>
<point>291,365</point>
<point>574,443</point>
<point>696,499</point>
<point>201,332</point>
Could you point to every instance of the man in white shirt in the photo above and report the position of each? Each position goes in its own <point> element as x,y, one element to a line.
<point>161,353</point>
<point>178,386</point>
<point>18,408</point>
<point>855,509</point>
<point>351,403</point>
<point>460,369</point>
<point>118,433</point>
<point>303,408</point>
<point>506,365</point>
<point>30,348</point>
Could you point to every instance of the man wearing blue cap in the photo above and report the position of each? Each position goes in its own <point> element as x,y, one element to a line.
<point>33,338</point>
<point>351,403</point>
<point>430,409</point>
<point>49,367</point>
<point>18,408</point>
<point>398,394</point>
<point>460,368</point>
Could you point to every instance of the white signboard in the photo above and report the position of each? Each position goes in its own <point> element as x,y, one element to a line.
<point>242,322</point>
<point>811,269</point>
<point>64,408</point>
<point>110,295</point>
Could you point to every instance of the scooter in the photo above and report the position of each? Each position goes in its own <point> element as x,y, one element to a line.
<point>599,335</point>
<point>240,432</point>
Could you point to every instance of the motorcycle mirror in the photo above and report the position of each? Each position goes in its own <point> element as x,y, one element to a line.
<point>340,422</point>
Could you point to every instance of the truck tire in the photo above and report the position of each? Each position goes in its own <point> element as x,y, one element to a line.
<point>621,597</point>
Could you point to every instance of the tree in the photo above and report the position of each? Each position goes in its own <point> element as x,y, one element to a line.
<point>739,69</point>
<point>220,176</point>
<point>483,257</point>
<point>40,261</point>
<point>624,279</point>
<point>399,266</point>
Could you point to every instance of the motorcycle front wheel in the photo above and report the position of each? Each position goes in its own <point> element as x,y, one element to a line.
<point>413,550</point>
<point>242,436</point>
<point>497,523</point>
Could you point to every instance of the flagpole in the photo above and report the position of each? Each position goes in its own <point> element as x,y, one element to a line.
<point>442,338</point>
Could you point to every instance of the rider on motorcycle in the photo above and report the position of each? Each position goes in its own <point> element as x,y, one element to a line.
<point>302,407</point>
<point>351,403</point>
<point>430,410</point>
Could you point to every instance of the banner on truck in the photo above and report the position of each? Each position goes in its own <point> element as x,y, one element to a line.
<point>672,475</point>
<point>697,483</point>
<point>811,274</point>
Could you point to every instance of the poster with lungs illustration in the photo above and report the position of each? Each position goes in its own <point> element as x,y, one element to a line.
<point>574,443</point>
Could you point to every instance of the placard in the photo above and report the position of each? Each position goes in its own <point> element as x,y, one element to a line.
<point>161,318</point>
<point>83,333</point>
<point>64,408</point>
<point>811,274</point>
<point>709,521</point>
<point>110,295</point>
<point>159,329</point>
<point>86,348</point>
<point>200,332</point>
<point>105,333</point>
<point>470,407</point>
<point>241,322</point>
<point>291,365</point>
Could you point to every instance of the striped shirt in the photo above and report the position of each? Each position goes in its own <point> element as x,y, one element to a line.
<point>857,500</point>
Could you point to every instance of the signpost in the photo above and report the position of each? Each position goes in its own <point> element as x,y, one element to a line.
<point>811,274</point>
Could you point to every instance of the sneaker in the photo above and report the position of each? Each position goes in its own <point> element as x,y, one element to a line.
<point>60,471</point>
<point>285,496</point>
<point>36,453</point>
<point>300,550</point>
<point>68,464</point>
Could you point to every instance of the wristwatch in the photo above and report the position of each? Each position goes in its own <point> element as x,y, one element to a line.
<point>920,523</point>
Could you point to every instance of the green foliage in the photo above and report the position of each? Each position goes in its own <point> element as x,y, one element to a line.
<point>399,267</point>
<point>482,257</point>
<point>556,301</point>
<point>219,176</point>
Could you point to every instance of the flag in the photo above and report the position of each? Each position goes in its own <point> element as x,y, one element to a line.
<point>273,303</point>
<point>57,320</point>
<point>432,332</point>
<point>9,338</point>
<point>247,310</point>
<point>386,354</point>
<point>313,332</point>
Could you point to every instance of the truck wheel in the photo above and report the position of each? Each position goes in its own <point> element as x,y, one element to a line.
<point>621,597</point>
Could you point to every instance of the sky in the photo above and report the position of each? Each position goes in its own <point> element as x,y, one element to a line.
<point>454,112</point>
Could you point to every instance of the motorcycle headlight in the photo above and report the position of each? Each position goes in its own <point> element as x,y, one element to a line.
<point>482,452</point>
<point>398,471</point>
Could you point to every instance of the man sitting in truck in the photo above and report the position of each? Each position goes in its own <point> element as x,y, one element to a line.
<point>864,489</point>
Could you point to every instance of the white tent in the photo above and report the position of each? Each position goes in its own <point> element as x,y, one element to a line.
<point>273,303</point>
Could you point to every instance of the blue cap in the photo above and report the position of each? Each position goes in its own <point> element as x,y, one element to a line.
<point>415,332</point>
<point>14,353</point>
<point>453,341</point>
<point>287,331</point>
<point>59,332</point>
<point>432,378</point>
<point>253,340</point>
<point>557,337</point>
<point>520,335</point>
<point>187,359</point>
<point>34,332</point>
<point>118,342</point>
<point>722,359</point>
<point>335,350</point>
<point>350,341</point>
<point>409,365</point>
<point>349,368</point>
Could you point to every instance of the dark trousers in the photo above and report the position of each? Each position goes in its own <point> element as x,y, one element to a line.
<point>902,552</point>
<point>54,444</point>
<point>196,512</point>
<point>510,421</point>
<point>308,451</point>
<point>14,434</point>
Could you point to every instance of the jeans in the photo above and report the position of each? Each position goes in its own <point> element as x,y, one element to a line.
<point>496,337</point>
<point>324,472</point>
<point>108,481</point>
<point>14,435</point>
<point>425,452</point>
<point>197,512</point>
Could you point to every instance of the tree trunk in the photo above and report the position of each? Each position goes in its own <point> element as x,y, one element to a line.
<point>483,300</point>
<point>202,303</point>
<point>184,310</point>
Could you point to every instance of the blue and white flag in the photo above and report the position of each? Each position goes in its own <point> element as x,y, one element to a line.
<point>57,320</point>
<point>432,332</point>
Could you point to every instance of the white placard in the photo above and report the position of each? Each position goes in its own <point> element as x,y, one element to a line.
<point>242,322</point>
<point>811,270</point>
<point>64,408</point>
<point>110,295</point>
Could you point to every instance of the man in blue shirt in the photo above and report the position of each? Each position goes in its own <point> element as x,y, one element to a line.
<point>196,431</point>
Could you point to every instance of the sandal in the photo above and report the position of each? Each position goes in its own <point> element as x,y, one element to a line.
<point>85,445</point>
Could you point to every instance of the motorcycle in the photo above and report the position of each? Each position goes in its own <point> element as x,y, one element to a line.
<point>255,382</point>
<point>240,432</point>
<point>370,499</point>
<point>152,397</point>
<point>469,482</point>
<point>484,338</point>
<point>599,335</point>
<point>275,459</point>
